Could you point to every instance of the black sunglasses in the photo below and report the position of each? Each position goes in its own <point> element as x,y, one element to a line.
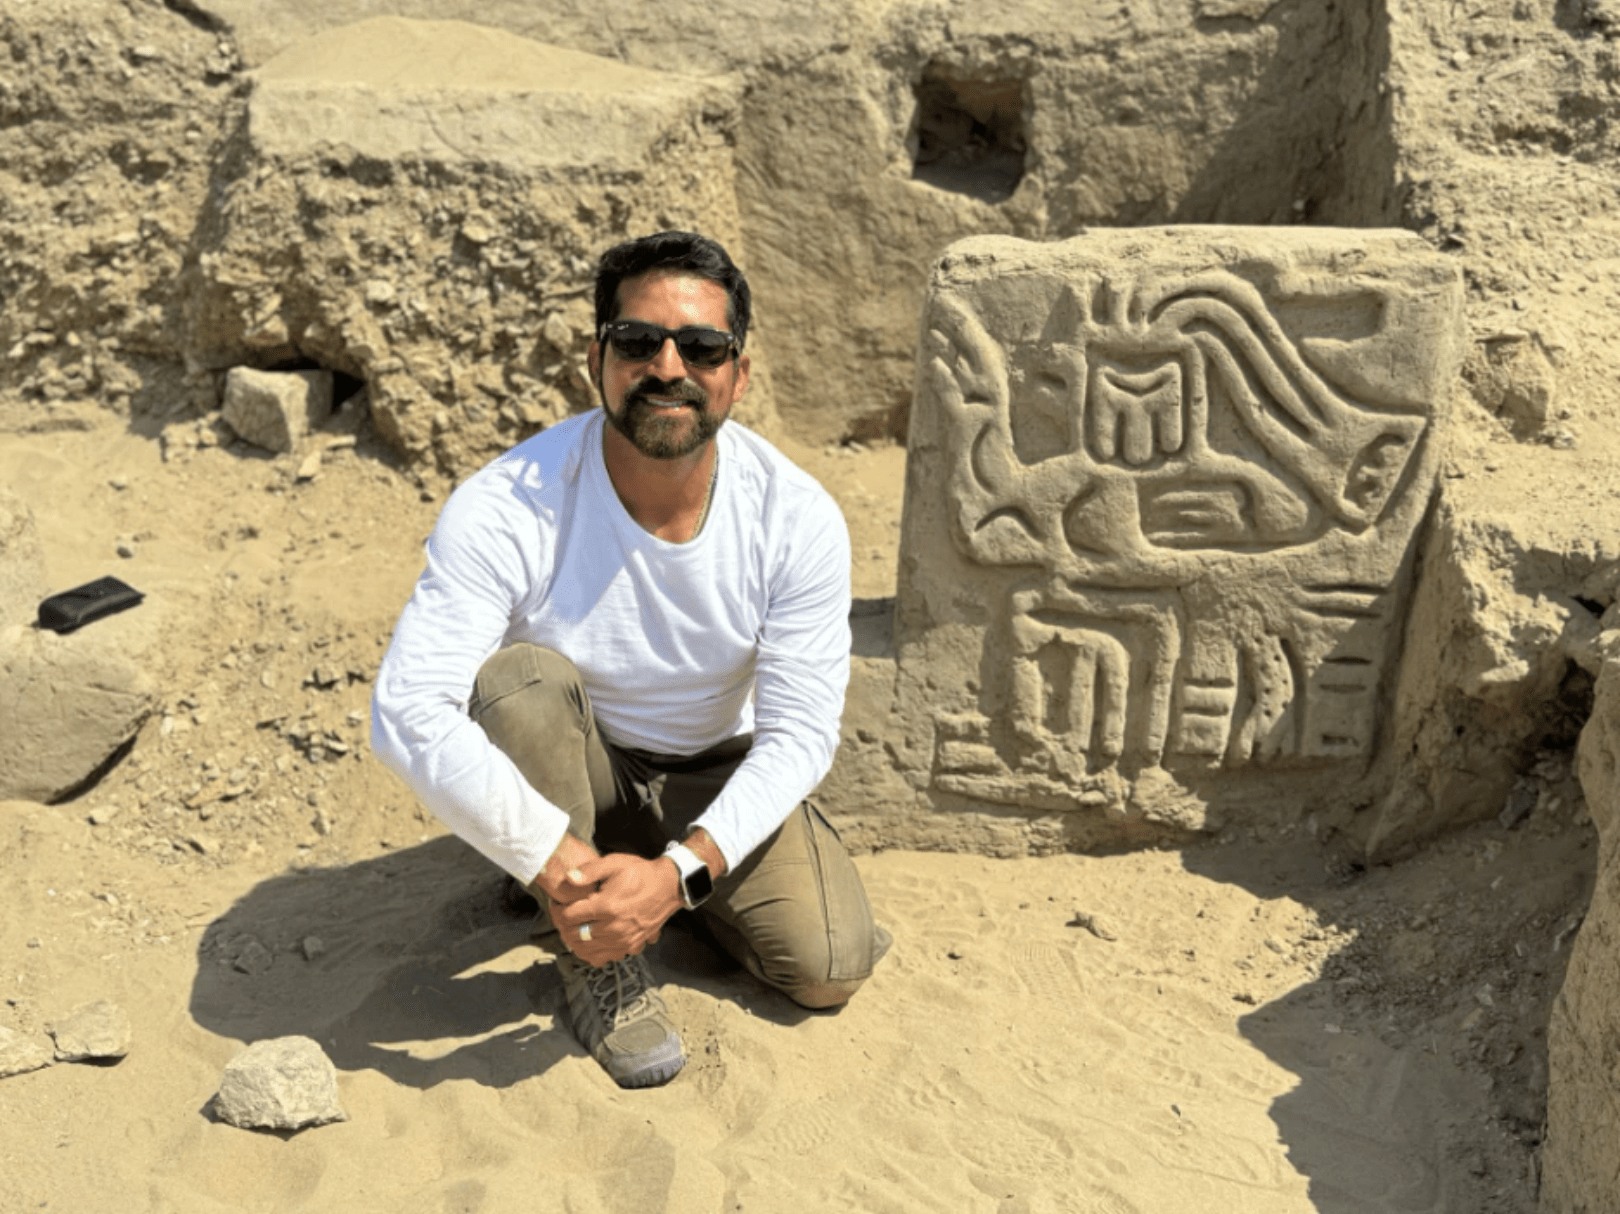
<point>638,342</point>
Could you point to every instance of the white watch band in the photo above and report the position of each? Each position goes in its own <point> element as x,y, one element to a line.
<point>687,862</point>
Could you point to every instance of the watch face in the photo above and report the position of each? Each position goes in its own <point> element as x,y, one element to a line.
<point>699,885</point>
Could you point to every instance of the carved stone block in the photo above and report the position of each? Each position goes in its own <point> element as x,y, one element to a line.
<point>1163,487</point>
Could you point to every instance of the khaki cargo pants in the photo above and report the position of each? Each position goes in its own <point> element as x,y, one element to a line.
<point>794,913</point>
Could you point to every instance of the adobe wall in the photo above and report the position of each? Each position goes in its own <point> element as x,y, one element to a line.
<point>419,206</point>
<point>1580,1163</point>
<point>839,147</point>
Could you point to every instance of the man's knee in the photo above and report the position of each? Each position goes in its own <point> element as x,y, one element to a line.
<point>524,687</point>
<point>518,668</point>
<point>807,976</point>
<point>821,995</point>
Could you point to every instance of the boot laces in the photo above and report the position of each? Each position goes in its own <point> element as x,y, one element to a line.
<point>619,990</point>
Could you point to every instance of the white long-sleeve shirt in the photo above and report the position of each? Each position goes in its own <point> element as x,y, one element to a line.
<point>681,646</point>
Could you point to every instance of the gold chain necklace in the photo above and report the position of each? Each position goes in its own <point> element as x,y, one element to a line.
<point>708,496</point>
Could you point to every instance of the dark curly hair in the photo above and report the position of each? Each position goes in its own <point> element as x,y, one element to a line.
<point>685,252</point>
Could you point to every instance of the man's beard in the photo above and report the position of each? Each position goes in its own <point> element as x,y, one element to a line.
<point>660,433</point>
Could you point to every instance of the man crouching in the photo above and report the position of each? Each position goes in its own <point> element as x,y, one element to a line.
<point>623,669</point>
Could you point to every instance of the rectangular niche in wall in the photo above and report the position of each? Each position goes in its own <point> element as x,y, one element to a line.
<point>970,136</point>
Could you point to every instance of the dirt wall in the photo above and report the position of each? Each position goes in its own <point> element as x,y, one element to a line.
<point>865,141</point>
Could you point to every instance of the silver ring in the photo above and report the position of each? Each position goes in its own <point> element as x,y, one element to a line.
<point>584,933</point>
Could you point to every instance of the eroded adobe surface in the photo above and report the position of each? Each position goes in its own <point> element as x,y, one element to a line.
<point>418,205</point>
<point>1162,491</point>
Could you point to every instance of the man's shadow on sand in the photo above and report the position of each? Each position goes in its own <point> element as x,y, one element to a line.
<point>418,965</point>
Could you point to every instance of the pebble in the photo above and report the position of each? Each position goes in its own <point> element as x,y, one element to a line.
<point>253,959</point>
<point>1095,924</point>
<point>1520,802</point>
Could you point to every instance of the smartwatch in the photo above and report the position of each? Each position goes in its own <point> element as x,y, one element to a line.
<point>696,882</point>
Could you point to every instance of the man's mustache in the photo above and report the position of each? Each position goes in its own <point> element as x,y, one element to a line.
<point>680,389</point>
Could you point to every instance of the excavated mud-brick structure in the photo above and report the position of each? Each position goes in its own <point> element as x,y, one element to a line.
<point>192,185</point>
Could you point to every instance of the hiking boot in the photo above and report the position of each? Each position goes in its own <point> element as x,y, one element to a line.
<point>620,1019</point>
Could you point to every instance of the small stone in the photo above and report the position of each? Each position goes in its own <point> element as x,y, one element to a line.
<point>286,1083</point>
<point>310,468</point>
<point>1095,924</point>
<point>126,550</point>
<point>1520,802</point>
<point>253,959</point>
<point>98,1030</point>
<point>557,331</point>
<point>313,947</point>
<point>18,1055</point>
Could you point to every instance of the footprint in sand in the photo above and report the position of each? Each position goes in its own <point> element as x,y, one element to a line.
<point>1107,1203</point>
<point>795,1130</point>
<point>1045,970</point>
<point>1023,1149</point>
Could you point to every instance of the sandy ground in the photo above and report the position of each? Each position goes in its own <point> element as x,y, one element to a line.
<point>1257,1026</point>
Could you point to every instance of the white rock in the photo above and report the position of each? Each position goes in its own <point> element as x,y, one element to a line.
<point>286,1083</point>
